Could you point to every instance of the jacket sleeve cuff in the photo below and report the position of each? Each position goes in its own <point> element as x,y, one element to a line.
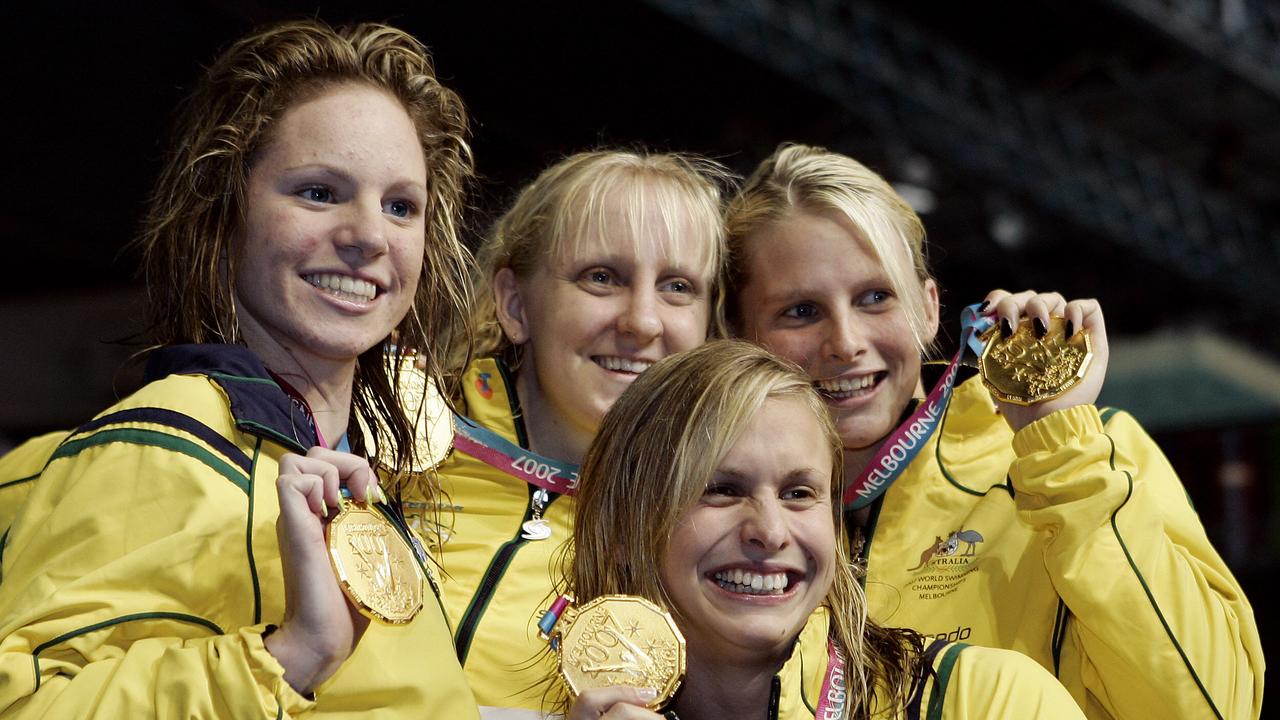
<point>269,673</point>
<point>1063,467</point>
<point>1057,429</point>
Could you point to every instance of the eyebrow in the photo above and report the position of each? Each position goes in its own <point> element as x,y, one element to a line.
<point>614,260</point>
<point>317,167</point>
<point>787,297</point>
<point>796,473</point>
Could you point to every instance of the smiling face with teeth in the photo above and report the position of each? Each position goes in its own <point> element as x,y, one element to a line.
<point>746,566</point>
<point>331,247</point>
<point>595,314</point>
<point>818,295</point>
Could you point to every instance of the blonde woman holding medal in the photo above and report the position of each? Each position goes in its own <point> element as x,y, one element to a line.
<point>171,558</point>
<point>712,491</point>
<point>1054,528</point>
<point>606,263</point>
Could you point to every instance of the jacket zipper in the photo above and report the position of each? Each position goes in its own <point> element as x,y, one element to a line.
<point>775,694</point>
<point>492,575</point>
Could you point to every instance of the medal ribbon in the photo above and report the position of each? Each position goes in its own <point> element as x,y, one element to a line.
<point>551,617</point>
<point>501,454</point>
<point>833,698</point>
<point>906,441</point>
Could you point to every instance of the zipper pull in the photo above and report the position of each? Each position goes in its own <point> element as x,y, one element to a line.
<point>536,528</point>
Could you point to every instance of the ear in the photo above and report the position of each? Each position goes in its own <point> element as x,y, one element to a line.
<point>931,310</point>
<point>510,306</point>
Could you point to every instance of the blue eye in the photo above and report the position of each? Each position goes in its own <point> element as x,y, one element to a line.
<point>599,276</point>
<point>875,297</point>
<point>399,208</point>
<point>802,311</point>
<point>317,193</point>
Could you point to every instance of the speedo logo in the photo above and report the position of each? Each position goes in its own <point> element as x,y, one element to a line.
<point>960,633</point>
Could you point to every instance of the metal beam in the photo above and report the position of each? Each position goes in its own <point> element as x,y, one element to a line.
<point>916,86</point>
<point>1241,36</point>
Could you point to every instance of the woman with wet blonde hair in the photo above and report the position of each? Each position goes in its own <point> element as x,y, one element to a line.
<point>200,198</point>
<point>710,490</point>
<point>172,556</point>
<point>1055,528</point>
<point>606,263</point>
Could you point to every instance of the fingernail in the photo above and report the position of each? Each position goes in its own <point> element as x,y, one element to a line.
<point>646,694</point>
<point>1071,328</point>
<point>325,506</point>
<point>1040,329</point>
<point>1006,330</point>
<point>984,305</point>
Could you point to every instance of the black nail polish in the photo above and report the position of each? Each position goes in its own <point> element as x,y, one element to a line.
<point>1040,329</point>
<point>1006,330</point>
<point>1071,329</point>
<point>983,307</point>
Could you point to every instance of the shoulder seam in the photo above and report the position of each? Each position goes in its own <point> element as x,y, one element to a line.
<point>154,438</point>
<point>19,481</point>
<point>176,421</point>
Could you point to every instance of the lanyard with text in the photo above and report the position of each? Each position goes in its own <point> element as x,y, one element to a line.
<point>905,442</point>
<point>301,403</point>
<point>833,698</point>
<point>500,453</point>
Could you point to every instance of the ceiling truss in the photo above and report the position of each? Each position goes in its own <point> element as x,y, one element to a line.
<point>915,86</point>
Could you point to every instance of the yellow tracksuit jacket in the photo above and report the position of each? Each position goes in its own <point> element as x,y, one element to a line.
<point>143,568</point>
<point>496,583</point>
<point>1073,542</point>
<point>965,683</point>
<point>18,469</point>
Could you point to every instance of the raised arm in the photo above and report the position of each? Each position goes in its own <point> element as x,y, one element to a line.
<point>1158,626</point>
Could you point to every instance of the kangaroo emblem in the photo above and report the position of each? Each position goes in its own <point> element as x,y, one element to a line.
<point>927,555</point>
<point>972,537</point>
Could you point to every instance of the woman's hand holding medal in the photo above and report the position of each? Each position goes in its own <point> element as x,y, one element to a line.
<point>320,627</point>
<point>617,702</point>
<point>1029,317</point>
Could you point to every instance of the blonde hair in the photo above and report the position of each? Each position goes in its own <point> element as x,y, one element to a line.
<point>198,205</point>
<point>803,178</point>
<point>650,463</point>
<point>568,205</point>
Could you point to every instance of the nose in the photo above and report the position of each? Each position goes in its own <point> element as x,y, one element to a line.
<point>764,525</point>
<point>364,230</point>
<point>640,317</point>
<point>845,339</point>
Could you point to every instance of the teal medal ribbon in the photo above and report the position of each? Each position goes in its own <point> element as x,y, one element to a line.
<point>906,441</point>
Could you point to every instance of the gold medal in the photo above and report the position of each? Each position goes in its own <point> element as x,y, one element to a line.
<point>1023,369</point>
<point>375,566</point>
<point>621,640</point>
<point>423,404</point>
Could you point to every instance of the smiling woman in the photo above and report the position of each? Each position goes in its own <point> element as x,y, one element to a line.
<point>173,558</point>
<point>605,264</point>
<point>1080,548</point>
<point>755,555</point>
<point>720,466</point>
<point>331,250</point>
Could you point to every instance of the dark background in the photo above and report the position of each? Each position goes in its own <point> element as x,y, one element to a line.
<point>1127,150</point>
